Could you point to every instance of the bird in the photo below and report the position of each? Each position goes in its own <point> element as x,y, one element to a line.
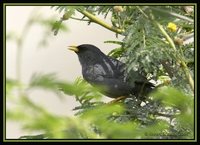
<point>109,73</point>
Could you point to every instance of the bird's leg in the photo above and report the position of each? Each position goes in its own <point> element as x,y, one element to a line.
<point>117,99</point>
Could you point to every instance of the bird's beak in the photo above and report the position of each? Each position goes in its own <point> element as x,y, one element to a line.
<point>73,48</point>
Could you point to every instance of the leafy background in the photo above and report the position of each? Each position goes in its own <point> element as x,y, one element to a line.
<point>149,45</point>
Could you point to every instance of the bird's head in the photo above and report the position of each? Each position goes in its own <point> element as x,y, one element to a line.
<point>87,53</point>
<point>84,48</point>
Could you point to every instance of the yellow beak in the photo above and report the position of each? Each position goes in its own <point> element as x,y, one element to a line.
<point>73,48</point>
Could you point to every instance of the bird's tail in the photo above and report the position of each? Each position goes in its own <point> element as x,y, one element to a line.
<point>142,89</point>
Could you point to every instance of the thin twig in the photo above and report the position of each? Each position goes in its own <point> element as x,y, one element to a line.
<point>79,19</point>
<point>165,115</point>
<point>173,14</point>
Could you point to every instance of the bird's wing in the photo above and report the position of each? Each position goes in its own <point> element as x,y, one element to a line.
<point>133,77</point>
<point>95,73</point>
<point>120,68</point>
<point>111,86</point>
<point>118,64</point>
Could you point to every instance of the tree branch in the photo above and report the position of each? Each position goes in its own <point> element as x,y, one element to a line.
<point>100,22</point>
<point>179,58</point>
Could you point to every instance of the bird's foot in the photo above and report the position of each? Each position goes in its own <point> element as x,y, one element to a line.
<point>117,99</point>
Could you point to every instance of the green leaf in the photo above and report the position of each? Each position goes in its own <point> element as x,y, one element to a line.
<point>51,83</point>
<point>155,131</point>
<point>114,42</point>
<point>46,81</point>
<point>173,97</point>
<point>116,53</point>
<point>59,8</point>
<point>68,14</point>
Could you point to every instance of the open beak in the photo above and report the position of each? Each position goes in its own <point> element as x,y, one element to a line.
<point>73,48</point>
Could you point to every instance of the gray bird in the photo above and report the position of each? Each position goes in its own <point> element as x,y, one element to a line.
<point>110,74</point>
